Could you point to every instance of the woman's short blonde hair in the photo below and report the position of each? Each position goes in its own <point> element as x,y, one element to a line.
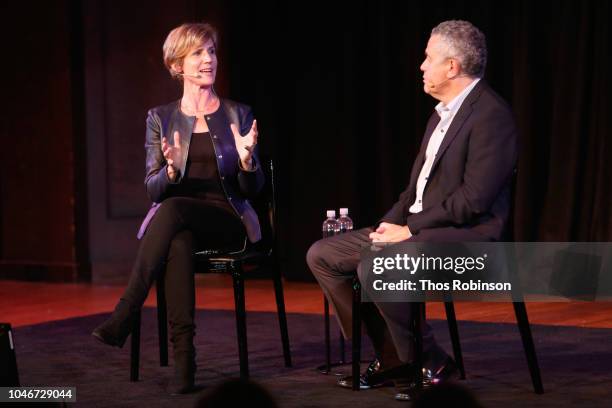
<point>182,39</point>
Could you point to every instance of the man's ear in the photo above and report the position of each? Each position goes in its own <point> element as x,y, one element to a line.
<point>455,68</point>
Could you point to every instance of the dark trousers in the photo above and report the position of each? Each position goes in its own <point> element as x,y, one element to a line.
<point>334,260</point>
<point>181,226</point>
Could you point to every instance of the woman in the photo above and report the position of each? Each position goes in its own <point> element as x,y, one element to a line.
<point>200,167</point>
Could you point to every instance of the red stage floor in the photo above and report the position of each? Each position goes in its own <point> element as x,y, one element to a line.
<point>27,303</point>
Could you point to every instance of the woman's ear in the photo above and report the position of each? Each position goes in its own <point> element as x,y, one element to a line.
<point>176,67</point>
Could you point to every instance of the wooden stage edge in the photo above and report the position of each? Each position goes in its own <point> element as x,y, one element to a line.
<point>26,303</point>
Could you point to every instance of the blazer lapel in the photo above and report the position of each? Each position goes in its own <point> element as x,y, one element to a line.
<point>231,113</point>
<point>184,125</point>
<point>433,121</point>
<point>464,112</point>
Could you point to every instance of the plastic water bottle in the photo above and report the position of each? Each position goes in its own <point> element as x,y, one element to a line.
<point>346,224</point>
<point>330,225</point>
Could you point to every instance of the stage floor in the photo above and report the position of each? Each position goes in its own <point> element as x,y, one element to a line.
<point>26,303</point>
<point>54,347</point>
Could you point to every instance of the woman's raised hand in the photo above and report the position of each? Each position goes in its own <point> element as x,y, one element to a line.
<point>172,154</point>
<point>245,145</point>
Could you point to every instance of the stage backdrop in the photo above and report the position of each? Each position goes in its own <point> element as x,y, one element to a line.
<point>338,96</point>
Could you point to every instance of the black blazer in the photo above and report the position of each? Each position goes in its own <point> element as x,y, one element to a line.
<point>470,181</point>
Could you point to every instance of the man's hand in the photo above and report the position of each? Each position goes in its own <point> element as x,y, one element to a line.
<point>390,233</point>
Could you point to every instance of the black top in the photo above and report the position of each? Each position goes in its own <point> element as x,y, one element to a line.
<point>201,174</point>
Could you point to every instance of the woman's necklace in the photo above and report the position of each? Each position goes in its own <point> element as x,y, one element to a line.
<point>200,113</point>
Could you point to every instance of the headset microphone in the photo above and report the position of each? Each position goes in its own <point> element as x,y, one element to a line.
<point>433,86</point>
<point>190,75</point>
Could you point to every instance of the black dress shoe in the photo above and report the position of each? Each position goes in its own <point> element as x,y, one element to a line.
<point>365,379</point>
<point>446,372</point>
<point>375,376</point>
<point>115,330</point>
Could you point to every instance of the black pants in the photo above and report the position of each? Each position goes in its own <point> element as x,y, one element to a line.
<point>181,226</point>
<point>334,260</point>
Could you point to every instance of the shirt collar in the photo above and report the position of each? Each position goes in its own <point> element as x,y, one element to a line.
<point>453,106</point>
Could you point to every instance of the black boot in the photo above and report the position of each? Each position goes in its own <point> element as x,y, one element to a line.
<point>184,374</point>
<point>184,360</point>
<point>117,328</point>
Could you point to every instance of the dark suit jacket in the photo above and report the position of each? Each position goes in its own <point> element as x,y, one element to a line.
<point>470,181</point>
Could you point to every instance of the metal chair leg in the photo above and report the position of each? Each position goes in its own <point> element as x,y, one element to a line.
<point>135,347</point>
<point>326,368</point>
<point>417,319</point>
<point>240,319</point>
<point>532,360</point>
<point>327,335</point>
<point>162,323</point>
<point>282,316</point>
<point>356,351</point>
<point>523,321</point>
<point>454,335</point>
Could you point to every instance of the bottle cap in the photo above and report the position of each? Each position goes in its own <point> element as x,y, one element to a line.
<point>344,211</point>
<point>331,213</point>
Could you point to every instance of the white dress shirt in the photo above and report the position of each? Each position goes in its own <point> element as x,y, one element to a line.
<point>446,113</point>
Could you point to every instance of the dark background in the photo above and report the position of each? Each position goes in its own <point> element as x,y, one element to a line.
<point>338,96</point>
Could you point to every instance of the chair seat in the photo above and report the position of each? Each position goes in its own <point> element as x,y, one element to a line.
<point>221,257</point>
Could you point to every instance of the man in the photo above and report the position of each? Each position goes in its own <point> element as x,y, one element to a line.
<point>459,190</point>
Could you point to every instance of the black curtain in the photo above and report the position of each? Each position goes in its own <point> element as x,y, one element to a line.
<point>338,93</point>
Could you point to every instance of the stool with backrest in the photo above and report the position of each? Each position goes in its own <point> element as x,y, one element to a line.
<point>418,313</point>
<point>518,304</point>
<point>263,255</point>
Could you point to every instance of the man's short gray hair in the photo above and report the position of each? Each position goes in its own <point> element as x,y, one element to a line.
<point>466,43</point>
